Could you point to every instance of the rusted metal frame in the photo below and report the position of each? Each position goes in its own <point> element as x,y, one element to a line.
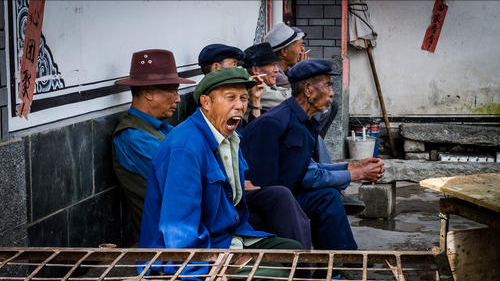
<point>148,266</point>
<point>108,269</point>
<point>184,264</point>
<point>11,258</point>
<point>255,266</point>
<point>76,266</point>
<point>226,267</point>
<point>470,211</point>
<point>329,271</point>
<point>41,265</point>
<point>221,260</point>
<point>294,266</point>
<point>365,265</point>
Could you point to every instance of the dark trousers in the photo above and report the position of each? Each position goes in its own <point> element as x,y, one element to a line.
<point>329,224</point>
<point>274,209</point>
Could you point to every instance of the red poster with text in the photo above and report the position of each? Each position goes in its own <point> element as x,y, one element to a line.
<point>29,60</point>
<point>433,31</point>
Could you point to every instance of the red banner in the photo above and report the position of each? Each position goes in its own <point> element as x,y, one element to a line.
<point>29,60</point>
<point>433,31</point>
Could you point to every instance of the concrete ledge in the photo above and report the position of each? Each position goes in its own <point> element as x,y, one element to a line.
<point>452,133</point>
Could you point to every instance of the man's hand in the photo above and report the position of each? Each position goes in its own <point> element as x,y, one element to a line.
<point>249,186</point>
<point>255,93</point>
<point>370,169</point>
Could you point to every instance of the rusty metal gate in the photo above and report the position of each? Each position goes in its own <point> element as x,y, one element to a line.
<point>121,264</point>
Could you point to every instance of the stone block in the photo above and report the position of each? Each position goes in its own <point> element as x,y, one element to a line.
<point>302,2</point>
<point>451,133</point>
<point>380,200</point>
<point>330,52</point>
<point>322,22</point>
<point>309,12</point>
<point>338,22</point>
<point>338,43</point>
<point>3,96</point>
<point>13,213</point>
<point>313,32</point>
<point>96,220</point>
<point>333,12</point>
<point>434,155</point>
<point>102,130</point>
<point>61,167</point>
<point>302,22</point>
<point>417,156</point>
<point>4,124</point>
<point>321,43</point>
<point>413,146</point>
<point>2,20</point>
<point>50,232</point>
<point>320,2</point>
<point>417,170</point>
<point>316,52</point>
<point>3,72</point>
<point>2,40</point>
<point>333,32</point>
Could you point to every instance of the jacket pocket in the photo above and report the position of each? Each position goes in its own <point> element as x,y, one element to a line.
<point>294,139</point>
<point>215,175</point>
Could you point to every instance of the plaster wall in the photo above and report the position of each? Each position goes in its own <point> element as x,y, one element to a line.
<point>461,78</point>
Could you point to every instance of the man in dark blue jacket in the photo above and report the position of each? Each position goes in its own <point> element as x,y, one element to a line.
<point>279,146</point>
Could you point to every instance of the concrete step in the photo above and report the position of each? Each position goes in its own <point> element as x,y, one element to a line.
<point>451,133</point>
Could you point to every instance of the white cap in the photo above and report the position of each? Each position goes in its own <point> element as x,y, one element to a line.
<point>281,36</point>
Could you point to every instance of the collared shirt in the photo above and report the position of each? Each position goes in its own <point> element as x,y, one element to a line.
<point>282,79</point>
<point>274,95</point>
<point>135,148</point>
<point>228,149</point>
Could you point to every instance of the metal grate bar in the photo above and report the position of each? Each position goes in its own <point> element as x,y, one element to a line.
<point>254,268</point>
<point>39,267</point>
<point>330,266</point>
<point>146,268</point>
<point>11,258</point>
<point>77,264</point>
<point>294,266</point>
<point>111,266</point>
<point>190,257</point>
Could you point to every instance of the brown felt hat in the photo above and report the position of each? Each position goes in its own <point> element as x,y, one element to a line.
<point>153,67</point>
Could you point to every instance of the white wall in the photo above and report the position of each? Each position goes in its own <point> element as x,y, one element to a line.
<point>92,41</point>
<point>462,76</point>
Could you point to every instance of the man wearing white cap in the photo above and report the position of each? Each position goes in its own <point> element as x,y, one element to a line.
<point>287,44</point>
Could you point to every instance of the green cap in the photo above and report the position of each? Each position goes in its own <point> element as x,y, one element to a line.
<point>231,75</point>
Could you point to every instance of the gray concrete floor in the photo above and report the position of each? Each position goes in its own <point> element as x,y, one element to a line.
<point>415,225</point>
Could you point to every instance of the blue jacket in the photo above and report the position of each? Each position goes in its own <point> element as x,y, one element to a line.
<point>279,145</point>
<point>188,200</point>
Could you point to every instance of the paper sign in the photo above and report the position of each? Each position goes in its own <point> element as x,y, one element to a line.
<point>433,31</point>
<point>29,60</point>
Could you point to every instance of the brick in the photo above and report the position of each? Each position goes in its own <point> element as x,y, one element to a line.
<point>313,32</point>
<point>333,32</point>
<point>2,22</point>
<point>329,52</point>
<point>338,43</point>
<point>309,12</point>
<point>322,22</point>
<point>302,22</point>
<point>3,96</point>
<point>413,146</point>
<point>321,2</point>
<point>4,132</point>
<point>321,42</point>
<point>380,200</point>
<point>316,52</point>
<point>302,2</point>
<point>334,12</point>
<point>338,22</point>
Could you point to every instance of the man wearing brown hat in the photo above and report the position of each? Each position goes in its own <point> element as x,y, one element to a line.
<point>195,196</point>
<point>154,83</point>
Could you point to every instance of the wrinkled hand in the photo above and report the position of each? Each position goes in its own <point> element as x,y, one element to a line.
<point>249,186</point>
<point>256,91</point>
<point>370,169</point>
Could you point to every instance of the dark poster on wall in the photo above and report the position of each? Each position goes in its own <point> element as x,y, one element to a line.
<point>433,31</point>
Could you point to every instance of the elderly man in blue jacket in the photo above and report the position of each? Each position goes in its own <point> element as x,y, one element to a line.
<point>279,148</point>
<point>195,196</point>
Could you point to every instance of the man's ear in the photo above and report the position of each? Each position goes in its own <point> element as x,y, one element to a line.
<point>307,89</point>
<point>147,93</point>
<point>205,102</point>
<point>215,66</point>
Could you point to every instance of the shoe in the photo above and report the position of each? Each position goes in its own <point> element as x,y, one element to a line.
<point>352,206</point>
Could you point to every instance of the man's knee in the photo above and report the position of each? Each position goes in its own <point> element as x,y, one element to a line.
<point>279,193</point>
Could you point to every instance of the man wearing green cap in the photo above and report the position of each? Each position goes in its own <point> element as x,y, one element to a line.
<point>195,196</point>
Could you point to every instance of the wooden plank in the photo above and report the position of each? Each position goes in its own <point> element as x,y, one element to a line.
<point>473,254</point>
<point>479,189</point>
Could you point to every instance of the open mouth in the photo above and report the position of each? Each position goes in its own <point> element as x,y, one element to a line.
<point>232,123</point>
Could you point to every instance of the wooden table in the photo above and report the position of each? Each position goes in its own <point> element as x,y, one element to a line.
<point>472,254</point>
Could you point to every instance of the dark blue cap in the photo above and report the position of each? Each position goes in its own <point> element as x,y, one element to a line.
<point>218,52</point>
<point>308,68</point>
